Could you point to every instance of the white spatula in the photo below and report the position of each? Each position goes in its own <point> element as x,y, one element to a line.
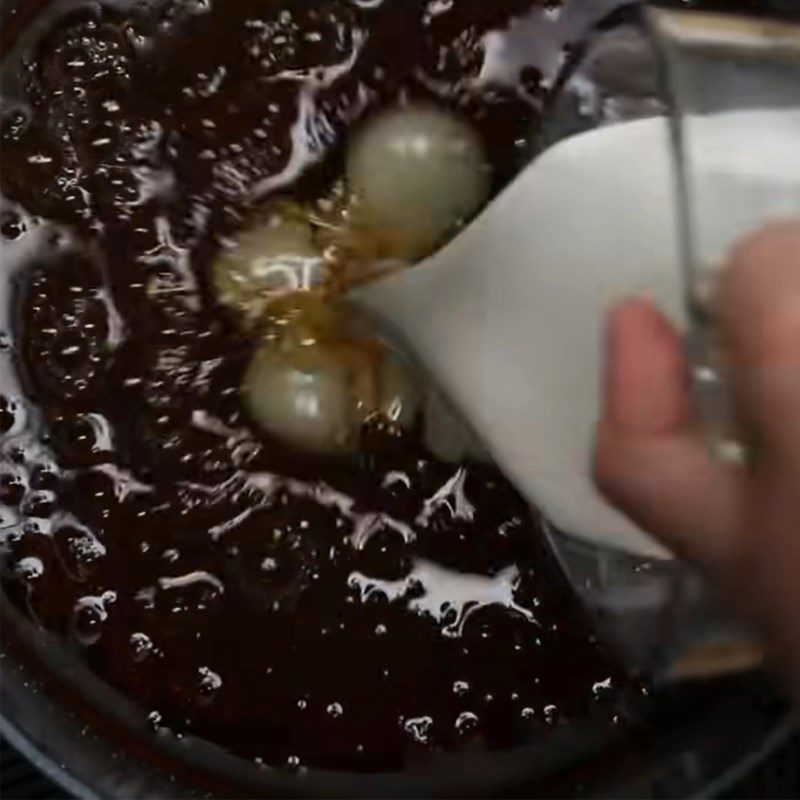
<point>508,316</point>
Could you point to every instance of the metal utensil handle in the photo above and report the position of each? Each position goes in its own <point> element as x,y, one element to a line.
<point>733,89</point>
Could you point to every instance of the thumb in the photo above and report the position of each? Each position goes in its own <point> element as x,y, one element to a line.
<point>649,460</point>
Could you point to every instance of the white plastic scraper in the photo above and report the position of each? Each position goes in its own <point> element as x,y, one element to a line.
<point>509,315</point>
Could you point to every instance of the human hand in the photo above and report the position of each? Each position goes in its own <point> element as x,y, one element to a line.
<point>741,525</point>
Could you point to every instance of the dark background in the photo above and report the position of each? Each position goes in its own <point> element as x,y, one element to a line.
<point>777,778</point>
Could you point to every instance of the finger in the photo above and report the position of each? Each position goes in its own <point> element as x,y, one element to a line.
<point>759,313</point>
<point>670,488</point>
<point>649,461</point>
<point>645,380</point>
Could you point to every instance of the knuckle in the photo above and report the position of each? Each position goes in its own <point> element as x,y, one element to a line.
<point>760,292</point>
<point>764,244</point>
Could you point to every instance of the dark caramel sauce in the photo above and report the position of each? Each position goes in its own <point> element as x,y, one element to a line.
<point>304,610</point>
